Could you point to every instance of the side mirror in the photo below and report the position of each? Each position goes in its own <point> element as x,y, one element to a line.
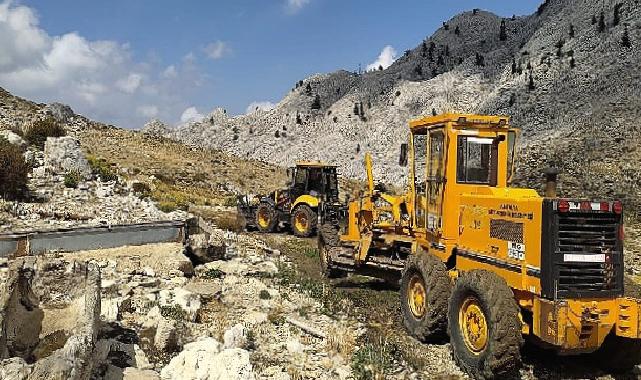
<point>402,161</point>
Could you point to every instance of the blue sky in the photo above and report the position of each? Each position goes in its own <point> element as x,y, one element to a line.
<point>124,61</point>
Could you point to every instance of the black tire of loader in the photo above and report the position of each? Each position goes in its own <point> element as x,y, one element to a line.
<point>501,358</point>
<point>618,354</point>
<point>327,239</point>
<point>433,325</point>
<point>312,221</point>
<point>273,219</point>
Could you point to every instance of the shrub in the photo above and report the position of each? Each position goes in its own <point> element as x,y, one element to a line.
<point>167,206</point>
<point>625,39</point>
<point>601,23</point>
<point>264,295</point>
<point>37,134</point>
<point>316,104</point>
<point>72,179</point>
<point>141,189</point>
<point>502,32</point>
<point>14,171</point>
<point>101,168</point>
<point>373,361</point>
<point>213,273</point>
<point>174,312</point>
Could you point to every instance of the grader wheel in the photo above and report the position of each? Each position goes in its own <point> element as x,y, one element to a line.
<point>303,221</point>
<point>618,354</point>
<point>425,289</point>
<point>484,326</point>
<point>327,240</point>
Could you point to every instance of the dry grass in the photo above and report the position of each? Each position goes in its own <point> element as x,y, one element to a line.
<point>183,175</point>
<point>341,340</point>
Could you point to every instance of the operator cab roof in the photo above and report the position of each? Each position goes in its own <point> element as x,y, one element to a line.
<point>313,164</point>
<point>461,119</point>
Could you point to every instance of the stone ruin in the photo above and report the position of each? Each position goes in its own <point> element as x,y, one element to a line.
<point>49,320</point>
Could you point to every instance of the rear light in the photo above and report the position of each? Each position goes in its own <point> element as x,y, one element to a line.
<point>605,206</point>
<point>564,206</point>
<point>617,207</point>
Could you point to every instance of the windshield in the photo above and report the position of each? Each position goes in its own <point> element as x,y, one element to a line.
<point>474,160</point>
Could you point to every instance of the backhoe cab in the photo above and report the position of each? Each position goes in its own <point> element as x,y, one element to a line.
<point>486,263</point>
<point>311,184</point>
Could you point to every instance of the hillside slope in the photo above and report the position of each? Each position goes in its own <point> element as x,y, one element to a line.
<point>569,82</point>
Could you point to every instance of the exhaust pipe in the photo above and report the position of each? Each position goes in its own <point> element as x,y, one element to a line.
<point>550,182</point>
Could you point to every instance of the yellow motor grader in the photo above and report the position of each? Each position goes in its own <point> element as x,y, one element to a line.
<point>486,263</point>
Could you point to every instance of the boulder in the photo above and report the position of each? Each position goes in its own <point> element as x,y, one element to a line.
<point>165,339</point>
<point>63,154</point>
<point>235,337</point>
<point>61,112</point>
<point>155,128</point>
<point>131,373</point>
<point>13,138</point>
<point>14,369</point>
<point>204,360</point>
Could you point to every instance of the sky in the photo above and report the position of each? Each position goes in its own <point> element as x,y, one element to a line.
<point>124,62</point>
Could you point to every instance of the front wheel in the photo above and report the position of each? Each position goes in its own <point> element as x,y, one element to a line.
<point>425,290</point>
<point>328,239</point>
<point>484,326</point>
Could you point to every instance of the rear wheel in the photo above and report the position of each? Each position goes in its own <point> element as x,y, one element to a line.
<point>484,326</point>
<point>618,354</point>
<point>303,221</point>
<point>425,290</point>
<point>266,217</point>
<point>327,240</point>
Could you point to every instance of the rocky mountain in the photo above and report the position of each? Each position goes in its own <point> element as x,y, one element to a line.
<point>567,75</point>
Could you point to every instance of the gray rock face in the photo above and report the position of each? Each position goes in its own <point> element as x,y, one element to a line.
<point>582,104</point>
<point>155,128</point>
<point>63,154</point>
<point>61,112</point>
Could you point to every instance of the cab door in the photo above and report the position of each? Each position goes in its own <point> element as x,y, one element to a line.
<point>435,179</point>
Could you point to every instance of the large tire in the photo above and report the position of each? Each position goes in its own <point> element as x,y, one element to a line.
<point>490,349</point>
<point>303,221</point>
<point>327,239</point>
<point>618,354</point>
<point>425,291</point>
<point>266,217</point>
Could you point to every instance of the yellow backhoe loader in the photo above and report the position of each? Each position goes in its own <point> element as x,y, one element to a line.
<point>486,263</point>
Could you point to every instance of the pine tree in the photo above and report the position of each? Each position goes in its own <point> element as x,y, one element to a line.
<point>457,31</point>
<point>380,67</point>
<point>440,61</point>
<point>316,105</point>
<point>529,66</point>
<point>480,60</point>
<point>572,63</point>
<point>571,31</point>
<point>418,70</point>
<point>502,33</point>
<point>601,23</point>
<point>361,111</point>
<point>445,26</point>
<point>513,66</point>
<point>308,89</point>
<point>625,39</point>
<point>593,19</point>
<point>616,19</point>
<point>355,108</point>
<point>447,50</point>
<point>530,85</point>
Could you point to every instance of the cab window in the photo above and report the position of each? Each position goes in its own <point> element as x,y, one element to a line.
<point>473,160</point>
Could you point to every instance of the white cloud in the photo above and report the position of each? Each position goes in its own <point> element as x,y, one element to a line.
<point>147,111</point>
<point>293,6</point>
<point>130,84</point>
<point>216,50</point>
<point>170,72</point>
<point>99,79</point>
<point>191,114</point>
<point>385,59</point>
<point>259,106</point>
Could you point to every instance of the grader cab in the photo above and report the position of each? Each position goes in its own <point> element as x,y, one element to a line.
<point>486,263</point>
